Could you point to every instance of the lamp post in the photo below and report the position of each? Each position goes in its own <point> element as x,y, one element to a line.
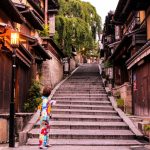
<point>14,45</point>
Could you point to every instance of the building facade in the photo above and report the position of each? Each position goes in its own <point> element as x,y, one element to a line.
<point>29,20</point>
<point>128,52</point>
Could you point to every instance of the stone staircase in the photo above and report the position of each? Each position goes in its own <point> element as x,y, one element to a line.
<point>84,116</point>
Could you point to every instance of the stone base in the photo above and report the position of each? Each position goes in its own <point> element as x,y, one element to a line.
<point>125,93</point>
<point>3,130</point>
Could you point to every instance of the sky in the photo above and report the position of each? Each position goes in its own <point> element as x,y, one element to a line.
<point>103,6</point>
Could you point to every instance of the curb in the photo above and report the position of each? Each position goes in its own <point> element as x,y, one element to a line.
<point>23,134</point>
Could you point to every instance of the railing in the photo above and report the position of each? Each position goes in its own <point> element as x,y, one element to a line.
<point>135,21</point>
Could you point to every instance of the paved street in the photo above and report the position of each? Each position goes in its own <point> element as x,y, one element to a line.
<point>68,148</point>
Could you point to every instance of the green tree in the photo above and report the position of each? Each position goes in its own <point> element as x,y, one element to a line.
<point>77,24</point>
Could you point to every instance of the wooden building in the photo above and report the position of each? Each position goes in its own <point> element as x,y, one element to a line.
<point>29,17</point>
<point>130,52</point>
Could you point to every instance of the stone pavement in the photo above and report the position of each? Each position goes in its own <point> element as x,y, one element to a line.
<point>147,147</point>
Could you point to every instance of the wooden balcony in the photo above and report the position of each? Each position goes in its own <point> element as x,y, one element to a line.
<point>133,24</point>
<point>37,6</point>
<point>9,8</point>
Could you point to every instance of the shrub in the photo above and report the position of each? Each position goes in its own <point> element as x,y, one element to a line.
<point>34,97</point>
<point>120,102</point>
<point>108,64</point>
<point>45,31</point>
<point>147,127</point>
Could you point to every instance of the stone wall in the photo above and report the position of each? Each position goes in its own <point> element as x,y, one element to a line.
<point>3,130</point>
<point>125,93</point>
<point>52,71</point>
<point>21,120</point>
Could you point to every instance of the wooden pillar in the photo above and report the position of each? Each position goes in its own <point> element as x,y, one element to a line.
<point>46,12</point>
<point>148,24</point>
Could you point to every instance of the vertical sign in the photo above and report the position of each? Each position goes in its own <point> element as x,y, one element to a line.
<point>52,24</point>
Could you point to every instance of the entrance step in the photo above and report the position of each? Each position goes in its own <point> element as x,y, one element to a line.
<point>80,117</point>
<point>80,102</point>
<point>86,112</point>
<point>83,107</point>
<point>86,125</point>
<point>76,117</point>
<point>88,142</point>
<point>85,134</point>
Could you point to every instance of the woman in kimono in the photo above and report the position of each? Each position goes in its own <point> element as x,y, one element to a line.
<point>45,112</point>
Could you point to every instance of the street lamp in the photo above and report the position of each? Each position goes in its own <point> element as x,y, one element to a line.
<point>14,44</point>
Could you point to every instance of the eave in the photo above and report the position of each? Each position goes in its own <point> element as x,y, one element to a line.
<point>125,39</point>
<point>24,55</point>
<point>31,39</point>
<point>40,49</point>
<point>36,7</point>
<point>32,19</point>
<point>139,55</point>
<point>25,52</point>
<point>125,7</point>
<point>59,52</point>
<point>53,6</point>
<point>9,8</point>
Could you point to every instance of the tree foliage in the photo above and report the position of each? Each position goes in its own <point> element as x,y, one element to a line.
<point>77,24</point>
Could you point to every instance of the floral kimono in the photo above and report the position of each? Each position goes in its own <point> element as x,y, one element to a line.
<point>45,109</point>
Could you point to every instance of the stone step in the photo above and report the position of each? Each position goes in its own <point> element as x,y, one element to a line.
<point>84,116</point>
<point>87,142</point>
<point>78,88</point>
<point>90,118</point>
<point>83,86</point>
<point>86,125</point>
<point>84,134</point>
<point>83,107</point>
<point>83,81</point>
<point>85,112</point>
<point>80,102</point>
<point>81,99</point>
<point>81,94</point>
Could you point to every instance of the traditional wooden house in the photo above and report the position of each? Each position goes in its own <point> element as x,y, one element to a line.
<point>108,35</point>
<point>109,43</point>
<point>29,18</point>
<point>139,63</point>
<point>7,22</point>
<point>131,20</point>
